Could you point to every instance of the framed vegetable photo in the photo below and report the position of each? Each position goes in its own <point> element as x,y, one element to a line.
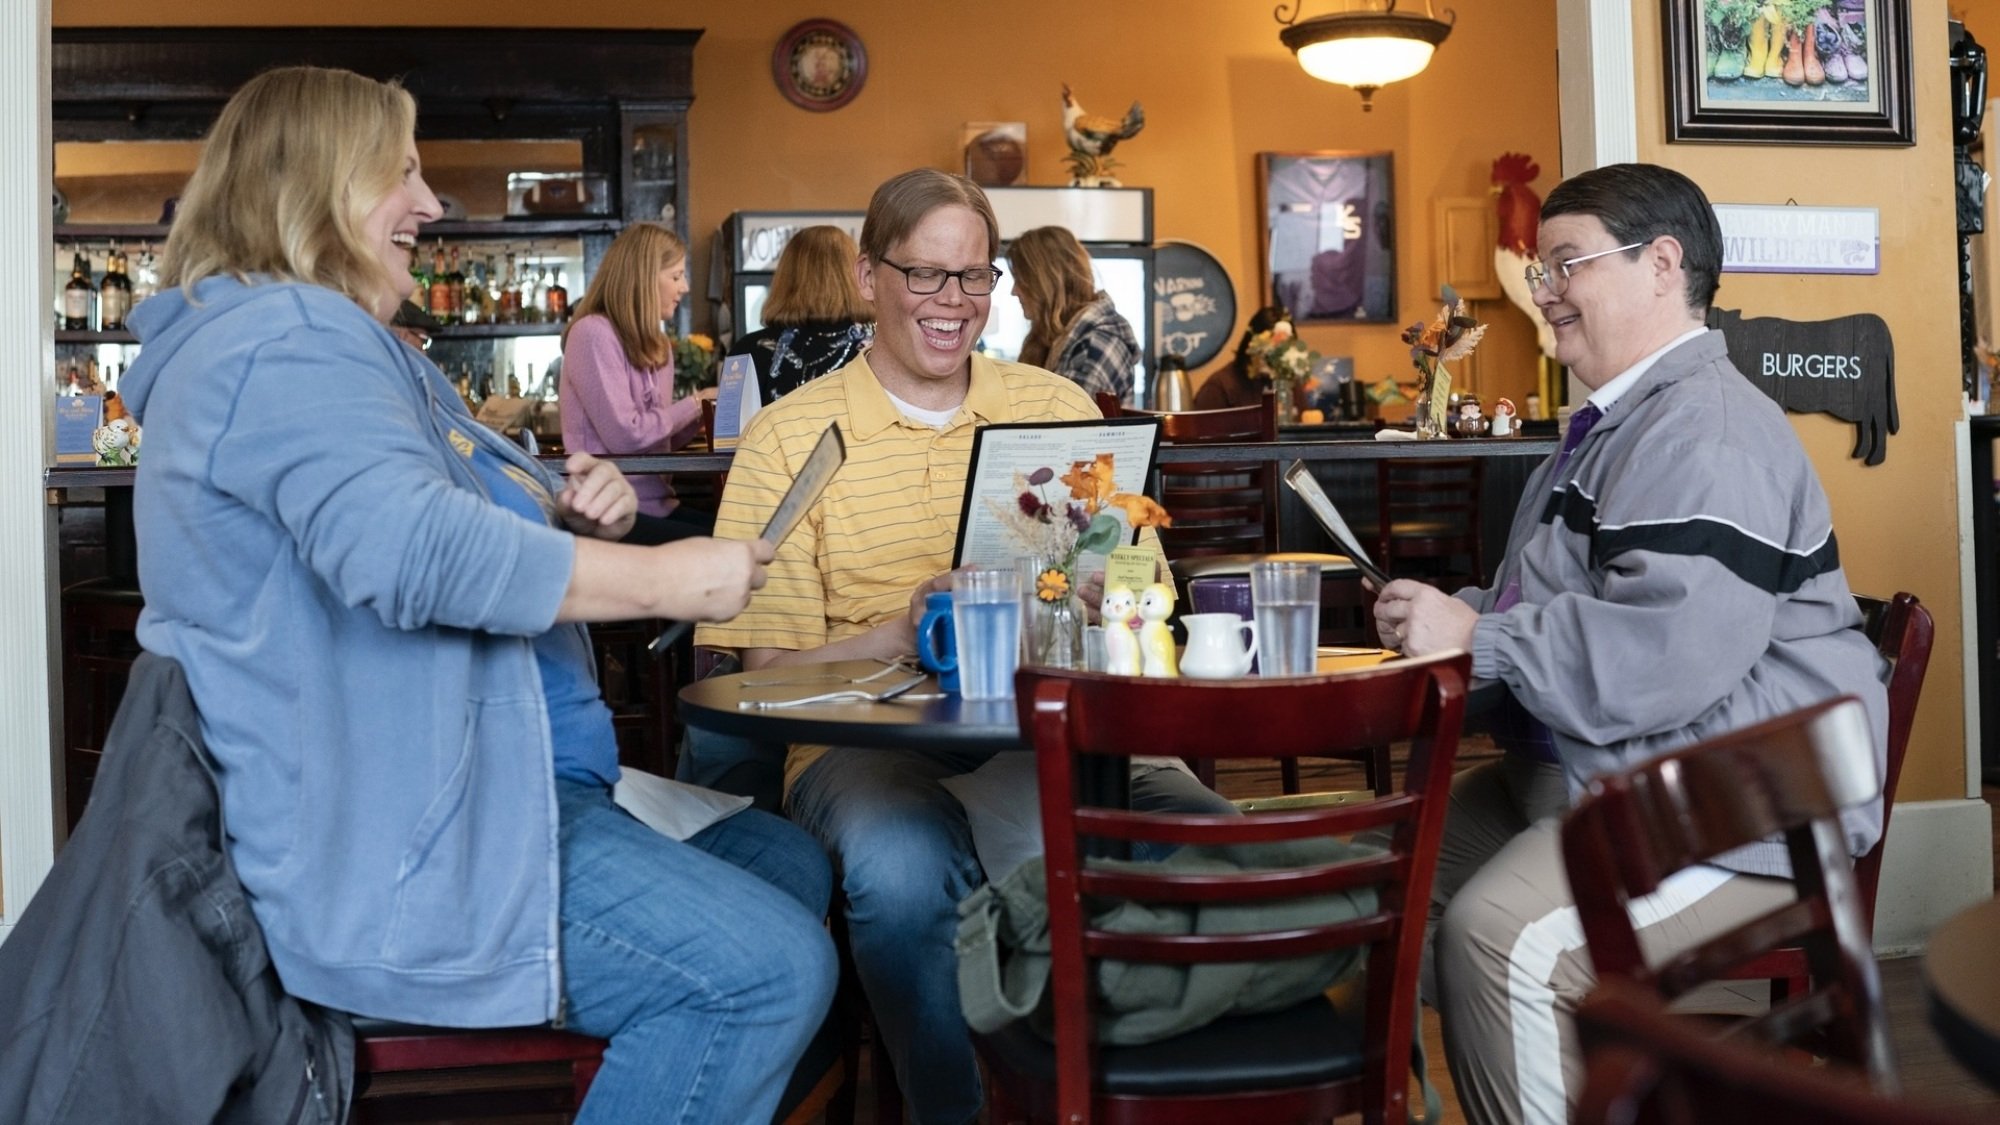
<point>1328,227</point>
<point>1816,72</point>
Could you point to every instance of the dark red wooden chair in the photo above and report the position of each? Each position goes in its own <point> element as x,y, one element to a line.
<point>382,1048</point>
<point>1306,1063</point>
<point>1428,508</point>
<point>1646,1066</point>
<point>1902,631</point>
<point>1219,507</point>
<point>1790,776</point>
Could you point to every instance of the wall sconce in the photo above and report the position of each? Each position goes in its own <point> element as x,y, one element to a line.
<point>1366,48</point>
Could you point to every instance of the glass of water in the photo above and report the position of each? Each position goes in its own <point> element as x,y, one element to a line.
<point>1285,600</point>
<point>986,612</point>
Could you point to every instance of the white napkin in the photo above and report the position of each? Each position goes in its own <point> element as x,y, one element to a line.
<point>1395,435</point>
<point>674,809</point>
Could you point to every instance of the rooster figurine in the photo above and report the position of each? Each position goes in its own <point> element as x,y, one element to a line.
<point>1156,637</point>
<point>1520,220</point>
<point>1091,139</point>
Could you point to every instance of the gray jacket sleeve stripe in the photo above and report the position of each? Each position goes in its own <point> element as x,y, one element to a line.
<point>1761,564</point>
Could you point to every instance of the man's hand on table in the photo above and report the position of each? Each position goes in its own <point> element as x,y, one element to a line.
<point>1418,620</point>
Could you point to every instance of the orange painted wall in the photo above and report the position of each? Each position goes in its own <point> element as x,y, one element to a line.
<point>1897,523</point>
<point>1217,87</point>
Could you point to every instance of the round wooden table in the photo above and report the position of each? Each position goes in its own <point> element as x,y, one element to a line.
<point>1964,988</point>
<point>949,722</point>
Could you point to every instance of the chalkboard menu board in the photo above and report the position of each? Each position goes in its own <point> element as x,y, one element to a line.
<point>1194,304</point>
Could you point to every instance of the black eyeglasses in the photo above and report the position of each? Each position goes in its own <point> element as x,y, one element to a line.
<point>1556,280</point>
<point>973,281</point>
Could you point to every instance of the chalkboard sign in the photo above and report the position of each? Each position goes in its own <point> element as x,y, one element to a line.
<point>1845,367</point>
<point>1194,304</point>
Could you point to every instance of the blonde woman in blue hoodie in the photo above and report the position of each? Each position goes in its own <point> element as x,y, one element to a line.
<point>379,607</point>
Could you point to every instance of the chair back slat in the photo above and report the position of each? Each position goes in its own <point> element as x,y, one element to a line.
<point>1271,945</point>
<point>1902,630</point>
<point>1244,887</point>
<point>1790,776</point>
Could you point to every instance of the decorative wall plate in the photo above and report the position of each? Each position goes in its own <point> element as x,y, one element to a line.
<point>819,65</point>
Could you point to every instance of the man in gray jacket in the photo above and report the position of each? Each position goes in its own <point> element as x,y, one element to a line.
<point>1671,574</point>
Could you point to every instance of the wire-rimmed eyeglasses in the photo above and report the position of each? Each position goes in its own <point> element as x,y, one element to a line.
<point>973,281</point>
<point>1556,280</point>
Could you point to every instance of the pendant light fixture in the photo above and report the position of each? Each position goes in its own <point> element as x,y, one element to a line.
<point>1366,47</point>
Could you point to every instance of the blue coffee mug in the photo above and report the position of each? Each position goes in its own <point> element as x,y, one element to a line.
<point>937,641</point>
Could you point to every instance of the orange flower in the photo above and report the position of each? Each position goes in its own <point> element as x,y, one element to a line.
<point>1091,481</point>
<point>1141,511</point>
<point>1052,585</point>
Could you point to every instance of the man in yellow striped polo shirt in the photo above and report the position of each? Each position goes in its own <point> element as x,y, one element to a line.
<point>850,583</point>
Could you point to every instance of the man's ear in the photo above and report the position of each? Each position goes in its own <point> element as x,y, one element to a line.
<point>1666,255</point>
<point>864,277</point>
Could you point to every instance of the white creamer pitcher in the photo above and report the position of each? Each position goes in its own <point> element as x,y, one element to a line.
<point>1220,646</point>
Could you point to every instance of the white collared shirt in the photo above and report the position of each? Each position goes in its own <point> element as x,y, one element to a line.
<point>1605,396</point>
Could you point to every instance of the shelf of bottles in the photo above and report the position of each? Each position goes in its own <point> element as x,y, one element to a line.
<point>101,272</point>
<point>495,305</point>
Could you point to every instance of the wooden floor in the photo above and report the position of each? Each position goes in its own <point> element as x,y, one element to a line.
<point>1929,1072</point>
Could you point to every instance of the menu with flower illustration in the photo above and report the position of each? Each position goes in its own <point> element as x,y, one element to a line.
<point>1038,488</point>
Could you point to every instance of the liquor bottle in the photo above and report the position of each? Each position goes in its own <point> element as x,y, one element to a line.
<point>455,281</point>
<point>538,294</point>
<point>510,295</point>
<point>474,295</point>
<point>114,298</point>
<point>438,303</point>
<point>489,295</point>
<point>558,299</point>
<point>78,295</point>
<point>145,274</point>
<point>531,313</point>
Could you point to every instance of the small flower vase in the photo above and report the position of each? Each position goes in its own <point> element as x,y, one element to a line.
<point>1055,618</point>
<point>1427,427</point>
<point>1283,389</point>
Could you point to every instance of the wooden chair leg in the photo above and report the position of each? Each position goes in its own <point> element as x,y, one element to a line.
<point>1288,776</point>
<point>1378,770</point>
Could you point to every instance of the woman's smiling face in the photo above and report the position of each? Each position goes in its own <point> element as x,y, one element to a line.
<point>390,229</point>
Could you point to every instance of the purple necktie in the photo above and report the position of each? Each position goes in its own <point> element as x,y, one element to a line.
<point>1579,425</point>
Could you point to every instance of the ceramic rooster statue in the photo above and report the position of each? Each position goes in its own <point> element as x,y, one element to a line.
<point>1156,637</point>
<point>1091,139</point>
<point>1520,219</point>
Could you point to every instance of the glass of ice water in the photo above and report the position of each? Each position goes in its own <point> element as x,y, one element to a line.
<point>986,612</point>
<point>1285,597</point>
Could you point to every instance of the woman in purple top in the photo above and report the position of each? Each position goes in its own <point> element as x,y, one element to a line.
<point>618,364</point>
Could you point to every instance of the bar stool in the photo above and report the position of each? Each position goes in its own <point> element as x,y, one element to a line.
<point>100,620</point>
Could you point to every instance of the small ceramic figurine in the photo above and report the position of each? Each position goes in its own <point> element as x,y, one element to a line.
<point>1503,418</point>
<point>117,440</point>
<point>1470,423</point>
<point>1121,646</point>
<point>1156,637</point>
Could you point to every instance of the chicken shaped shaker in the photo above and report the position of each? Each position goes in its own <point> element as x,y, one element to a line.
<point>1121,645</point>
<point>1156,637</point>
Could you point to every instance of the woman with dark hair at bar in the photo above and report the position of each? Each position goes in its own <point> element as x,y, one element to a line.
<point>1233,385</point>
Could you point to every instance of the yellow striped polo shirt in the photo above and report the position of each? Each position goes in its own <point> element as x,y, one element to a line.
<point>889,518</point>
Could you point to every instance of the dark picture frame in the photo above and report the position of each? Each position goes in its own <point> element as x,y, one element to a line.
<point>1327,235</point>
<point>1706,41</point>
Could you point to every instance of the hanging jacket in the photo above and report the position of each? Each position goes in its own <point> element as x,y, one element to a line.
<point>136,987</point>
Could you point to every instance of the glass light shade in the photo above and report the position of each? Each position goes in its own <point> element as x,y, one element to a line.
<point>1366,48</point>
<point>1371,61</point>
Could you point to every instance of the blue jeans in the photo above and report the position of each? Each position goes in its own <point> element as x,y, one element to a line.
<point>905,855</point>
<point>705,963</point>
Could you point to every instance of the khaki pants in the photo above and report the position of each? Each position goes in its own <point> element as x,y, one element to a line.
<point>1507,965</point>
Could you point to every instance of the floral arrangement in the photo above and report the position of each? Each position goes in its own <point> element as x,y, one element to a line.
<point>1450,336</point>
<point>1074,525</point>
<point>694,363</point>
<point>1277,354</point>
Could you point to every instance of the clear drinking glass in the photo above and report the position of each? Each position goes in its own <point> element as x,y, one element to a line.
<point>986,611</point>
<point>1285,597</point>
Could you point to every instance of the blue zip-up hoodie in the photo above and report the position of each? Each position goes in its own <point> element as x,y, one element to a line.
<point>356,622</point>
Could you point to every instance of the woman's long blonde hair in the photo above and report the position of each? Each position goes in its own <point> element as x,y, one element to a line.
<point>1052,271</point>
<point>815,281</point>
<point>626,292</point>
<point>294,164</point>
